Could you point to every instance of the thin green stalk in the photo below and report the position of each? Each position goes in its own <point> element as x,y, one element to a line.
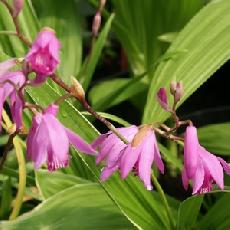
<point>22,179</point>
<point>164,199</point>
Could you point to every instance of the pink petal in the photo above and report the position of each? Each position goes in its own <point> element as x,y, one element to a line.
<point>52,109</point>
<point>128,159</point>
<point>2,100</point>
<point>32,132</point>
<point>162,98</point>
<point>107,172</point>
<point>6,66</point>
<point>191,151</point>
<point>79,143</point>
<point>58,144</point>
<point>16,107</point>
<point>114,154</point>
<point>157,155</point>
<point>185,179</point>
<point>225,165</point>
<point>39,151</point>
<point>97,142</point>
<point>145,161</point>
<point>198,178</point>
<point>213,165</point>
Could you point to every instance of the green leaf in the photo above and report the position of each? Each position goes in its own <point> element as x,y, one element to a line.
<point>109,117</point>
<point>216,138</point>
<point>6,198</point>
<point>66,21</point>
<point>169,157</point>
<point>112,92</point>
<point>205,38</point>
<point>139,23</point>
<point>81,207</point>
<point>188,212</point>
<point>90,63</point>
<point>218,216</point>
<point>52,183</point>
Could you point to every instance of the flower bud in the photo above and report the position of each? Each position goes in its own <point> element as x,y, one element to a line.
<point>162,98</point>
<point>173,87</point>
<point>96,23</point>
<point>179,91</point>
<point>17,7</point>
<point>77,89</point>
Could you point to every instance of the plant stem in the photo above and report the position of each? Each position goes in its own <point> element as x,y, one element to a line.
<point>164,200</point>
<point>85,104</point>
<point>16,24</point>
<point>22,179</point>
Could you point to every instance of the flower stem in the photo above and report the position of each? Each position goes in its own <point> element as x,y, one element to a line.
<point>16,24</point>
<point>22,179</point>
<point>85,104</point>
<point>164,200</point>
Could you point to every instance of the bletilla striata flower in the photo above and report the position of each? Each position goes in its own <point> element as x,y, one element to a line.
<point>138,156</point>
<point>9,83</point>
<point>200,166</point>
<point>48,140</point>
<point>43,56</point>
<point>111,147</point>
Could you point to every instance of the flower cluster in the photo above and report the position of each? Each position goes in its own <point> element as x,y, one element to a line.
<point>129,149</point>
<point>48,140</point>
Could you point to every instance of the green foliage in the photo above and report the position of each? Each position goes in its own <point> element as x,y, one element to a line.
<point>216,138</point>
<point>69,209</point>
<point>112,92</point>
<point>74,197</point>
<point>188,212</point>
<point>205,38</point>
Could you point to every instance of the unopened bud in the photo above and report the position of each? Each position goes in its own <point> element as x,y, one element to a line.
<point>77,89</point>
<point>179,91</point>
<point>96,23</point>
<point>102,4</point>
<point>162,98</point>
<point>17,7</point>
<point>173,87</point>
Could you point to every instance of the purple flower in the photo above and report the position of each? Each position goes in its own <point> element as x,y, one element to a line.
<point>6,66</point>
<point>43,56</point>
<point>162,98</point>
<point>8,84</point>
<point>48,140</point>
<point>200,166</point>
<point>138,156</point>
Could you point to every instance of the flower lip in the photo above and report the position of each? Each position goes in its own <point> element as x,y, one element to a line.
<point>140,135</point>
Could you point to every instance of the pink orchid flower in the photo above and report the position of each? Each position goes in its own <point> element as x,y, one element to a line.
<point>48,140</point>
<point>8,82</point>
<point>137,156</point>
<point>200,166</point>
<point>43,56</point>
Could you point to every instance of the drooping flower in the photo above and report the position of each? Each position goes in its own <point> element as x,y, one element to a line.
<point>9,82</point>
<point>140,155</point>
<point>137,156</point>
<point>43,56</point>
<point>110,145</point>
<point>201,166</point>
<point>48,140</point>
